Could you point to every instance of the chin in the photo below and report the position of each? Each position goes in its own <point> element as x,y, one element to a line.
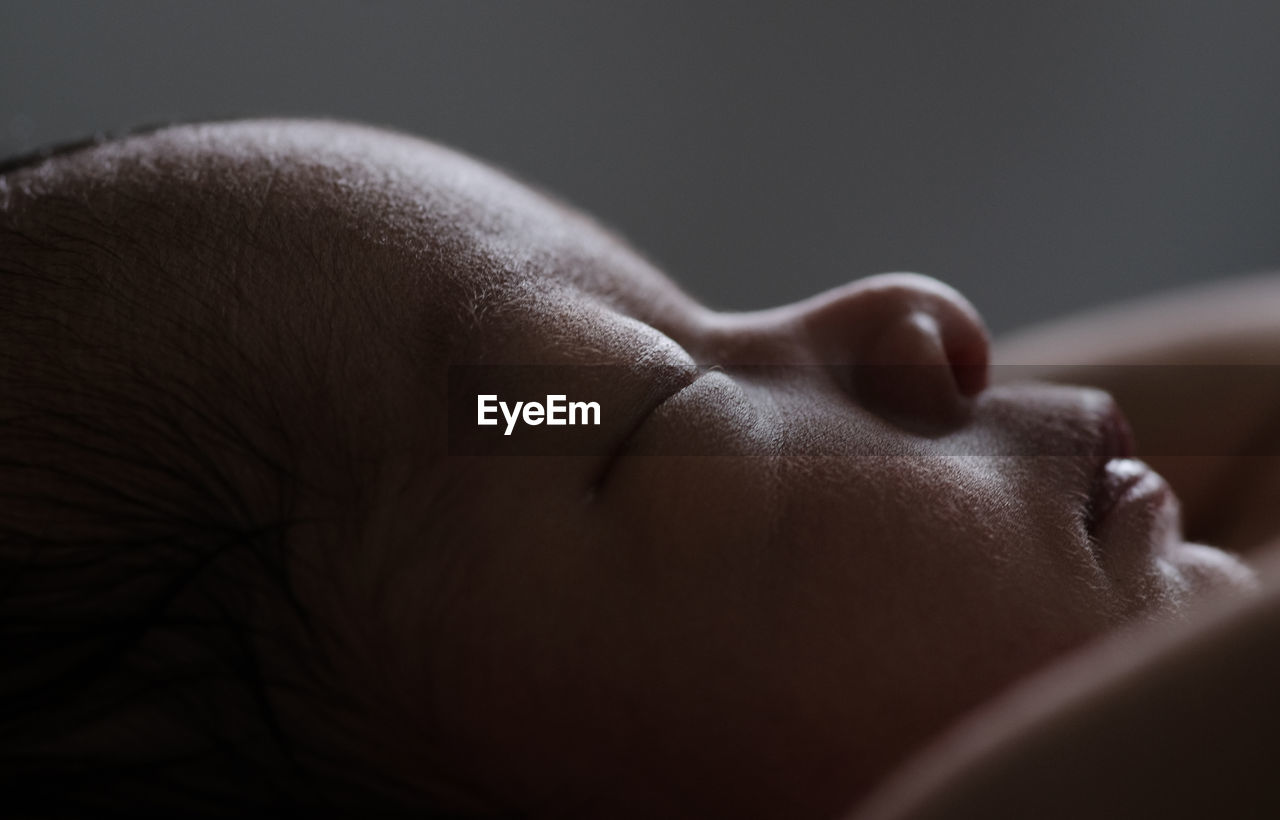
<point>1192,572</point>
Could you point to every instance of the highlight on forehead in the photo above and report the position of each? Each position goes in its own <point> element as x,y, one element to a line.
<point>209,267</point>
<point>211,334</point>
<point>31,158</point>
<point>318,277</point>
<point>412,194</point>
<point>316,239</point>
<point>192,362</point>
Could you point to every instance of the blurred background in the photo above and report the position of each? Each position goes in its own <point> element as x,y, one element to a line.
<point>1040,157</point>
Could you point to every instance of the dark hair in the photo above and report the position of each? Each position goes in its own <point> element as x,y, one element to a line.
<point>149,621</point>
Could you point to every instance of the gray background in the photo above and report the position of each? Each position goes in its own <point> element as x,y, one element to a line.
<point>1039,156</point>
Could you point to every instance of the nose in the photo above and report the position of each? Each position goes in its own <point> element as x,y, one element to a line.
<point>906,346</point>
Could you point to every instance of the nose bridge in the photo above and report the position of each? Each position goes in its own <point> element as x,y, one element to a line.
<point>757,338</point>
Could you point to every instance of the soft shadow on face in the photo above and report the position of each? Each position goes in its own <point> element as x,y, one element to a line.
<point>765,583</point>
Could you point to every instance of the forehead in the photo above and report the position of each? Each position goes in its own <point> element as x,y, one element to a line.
<point>456,227</point>
<point>433,207</point>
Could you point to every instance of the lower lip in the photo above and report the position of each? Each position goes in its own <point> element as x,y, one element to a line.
<point>1131,497</point>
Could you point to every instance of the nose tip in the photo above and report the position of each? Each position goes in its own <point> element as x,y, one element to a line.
<point>911,348</point>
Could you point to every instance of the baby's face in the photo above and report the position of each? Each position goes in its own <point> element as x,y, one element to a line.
<point>755,582</point>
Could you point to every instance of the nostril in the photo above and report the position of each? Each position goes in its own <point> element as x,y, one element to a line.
<point>907,375</point>
<point>966,345</point>
<point>967,350</point>
<point>942,314</point>
<point>919,350</point>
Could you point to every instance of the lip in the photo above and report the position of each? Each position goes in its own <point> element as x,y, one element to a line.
<point>1116,436</point>
<point>1113,471</point>
<point>1131,507</point>
<point>1117,482</point>
<point>1126,493</point>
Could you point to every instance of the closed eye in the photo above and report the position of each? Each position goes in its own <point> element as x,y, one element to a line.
<point>675,382</point>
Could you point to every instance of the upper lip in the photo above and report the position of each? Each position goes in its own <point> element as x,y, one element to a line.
<point>1114,441</point>
<point>1116,435</point>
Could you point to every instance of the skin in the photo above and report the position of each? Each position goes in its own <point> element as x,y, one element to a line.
<point>1172,722</point>
<point>765,629</point>
<point>1168,721</point>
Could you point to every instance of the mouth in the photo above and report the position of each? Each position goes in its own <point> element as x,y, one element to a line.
<point>1123,487</point>
<point>1115,471</point>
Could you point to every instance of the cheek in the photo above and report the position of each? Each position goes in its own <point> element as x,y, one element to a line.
<point>931,570</point>
<point>682,544</point>
<point>708,517</point>
<point>847,602</point>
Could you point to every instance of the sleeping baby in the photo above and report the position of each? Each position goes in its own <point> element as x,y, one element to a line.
<point>261,552</point>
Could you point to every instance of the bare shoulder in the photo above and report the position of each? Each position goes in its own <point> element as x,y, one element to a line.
<point>1158,722</point>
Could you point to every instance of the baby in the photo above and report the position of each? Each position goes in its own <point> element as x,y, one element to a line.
<point>258,554</point>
